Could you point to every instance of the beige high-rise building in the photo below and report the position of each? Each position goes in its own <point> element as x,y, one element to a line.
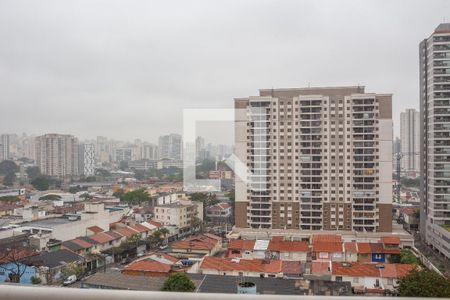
<point>435,139</point>
<point>57,154</point>
<point>317,158</point>
<point>410,141</point>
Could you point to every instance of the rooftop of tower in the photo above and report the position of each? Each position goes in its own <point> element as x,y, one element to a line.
<point>443,28</point>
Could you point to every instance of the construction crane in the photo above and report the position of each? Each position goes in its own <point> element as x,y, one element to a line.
<point>398,158</point>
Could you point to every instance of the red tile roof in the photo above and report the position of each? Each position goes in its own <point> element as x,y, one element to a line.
<point>15,255</point>
<point>95,229</point>
<point>288,246</point>
<point>81,243</point>
<point>351,247</point>
<point>320,267</point>
<point>396,270</point>
<point>126,231</point>
<point>241,244</point>
<point>326,238</point>
<point>291,267</point>
<point>355,269</point>
<point>166,256</point>
<point>154,223</point>
<point>329,247</point>
<point>392,240</point>
<point>148,266</point>
<point>102,238</point>
<point>199,242</point>
<point>139,228</point>
<point>368,248</point>
<point>245,265</point>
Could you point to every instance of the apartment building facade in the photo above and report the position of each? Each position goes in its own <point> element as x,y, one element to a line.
<point>435,138</point>
<point>86,159</point>
<point>57,154</point>
<point>317,159</point>
<point>170,147</point>
<point>410,141</point>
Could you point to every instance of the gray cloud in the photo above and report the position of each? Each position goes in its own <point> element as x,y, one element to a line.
<point>127,69</point>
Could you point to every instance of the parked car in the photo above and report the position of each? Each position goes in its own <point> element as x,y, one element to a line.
<point>69,280</point>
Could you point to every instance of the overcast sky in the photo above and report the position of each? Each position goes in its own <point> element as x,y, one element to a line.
<point>127,69</point>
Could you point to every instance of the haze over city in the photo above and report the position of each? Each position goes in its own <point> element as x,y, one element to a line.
<point>87,68</point>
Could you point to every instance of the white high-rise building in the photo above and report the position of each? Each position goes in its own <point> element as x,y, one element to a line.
<point>170,147</point>
<point>57,154</point>
<point>318,159</point>
<point>86,159</point>
<point>435,139</point>
<point>149,151</point>
<point>410,141</point>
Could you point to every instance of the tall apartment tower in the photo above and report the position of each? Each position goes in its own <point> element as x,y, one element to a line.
<point>410,141</point>
<point>317,159</point>
<point>86,159</point>
<point>57,154</point>
<point>435,138</point>
<point>4,147</point>
<point>170,147</point>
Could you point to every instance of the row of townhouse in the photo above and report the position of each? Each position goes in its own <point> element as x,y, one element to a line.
<point>322,248</point>
<point>363,277</point>
<point>98,247</point>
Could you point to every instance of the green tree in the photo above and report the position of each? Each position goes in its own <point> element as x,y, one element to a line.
<point>231,195</point>
<point>74,189</point>
<point>136,197</point>
<point>407,257</point>
<point>9,179</point>
<point>424,283</point>
<point>178,282</point>
<point>33,172</point>
<point>72,269</point>
<point>8,167</point>
<point>41,183</point>
<point>35,280</point>
<point>86,196</point>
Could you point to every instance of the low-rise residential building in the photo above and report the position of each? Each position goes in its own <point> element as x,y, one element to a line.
<point>220,211</point>
<point>203,244</point>
<point>370,276</point>
<point>50,264</point>
<point>250,267</point>
<point>184,215</point>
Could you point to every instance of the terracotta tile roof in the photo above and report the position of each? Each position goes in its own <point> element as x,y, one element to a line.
<point>95,229</point>
<point>291,267</point>
<point>245,265</point>
<point>327,247</point>
<point>288,246</point>
<point>351,247</point>
<point>199,242</point>
<point>241,244</point>
<point>154,223</point>
<point>326,238</point>
<point>148,266</point>
<point>166,256</point>
<point>115,235</point>
<point>396,270</point>
<point>364,248</point>
<point>213,236</point>
<point>391,251</point>
<point>369,248</point>
<point>392,240</point>
<point>321,267</point>
<point>126,231</point>
<point>102,238</point>
<point>82,243</point>
<point>139,228</point>
<point>355,269</point>
<point>16,255</point>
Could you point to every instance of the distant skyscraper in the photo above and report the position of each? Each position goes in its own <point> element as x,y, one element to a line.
<point>410,140</point>
<point>57,154</point>
<point>86,159</point>
<point>199,148</point>
<point>435,139</point>
<point>4,147</point>
<point>320,159</point>
<point>170,147</point>
<point>149,151</point>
